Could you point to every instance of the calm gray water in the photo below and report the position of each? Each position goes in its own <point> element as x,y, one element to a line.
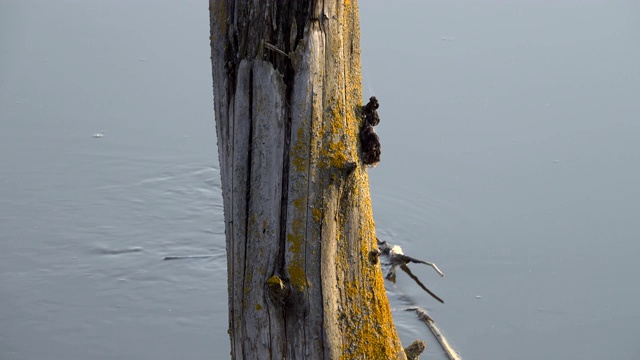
<point>510,158</point>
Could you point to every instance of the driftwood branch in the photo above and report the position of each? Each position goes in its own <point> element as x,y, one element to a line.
<point>397,258</point>
<point>442,340</point>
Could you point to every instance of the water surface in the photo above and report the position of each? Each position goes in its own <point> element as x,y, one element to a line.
<point>510,158</point>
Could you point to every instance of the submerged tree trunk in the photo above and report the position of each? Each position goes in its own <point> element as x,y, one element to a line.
<point>304,280</point>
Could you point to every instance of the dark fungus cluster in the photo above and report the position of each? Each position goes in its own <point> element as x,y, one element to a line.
<point>369,140</point>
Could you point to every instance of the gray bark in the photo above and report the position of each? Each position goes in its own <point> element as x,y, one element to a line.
<point>298,217</point>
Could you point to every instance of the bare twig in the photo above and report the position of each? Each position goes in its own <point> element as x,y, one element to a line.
<point>405,268</point>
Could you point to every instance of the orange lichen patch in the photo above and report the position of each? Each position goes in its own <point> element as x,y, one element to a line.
<point>340,121</point>
<point>366,322</point>
<point>334,154</point>
<point>370,334</point>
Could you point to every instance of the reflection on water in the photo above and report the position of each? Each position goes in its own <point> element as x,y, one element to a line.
<point>510,158</point>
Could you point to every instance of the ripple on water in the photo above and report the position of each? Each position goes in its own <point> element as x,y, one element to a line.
<point>108,251</point>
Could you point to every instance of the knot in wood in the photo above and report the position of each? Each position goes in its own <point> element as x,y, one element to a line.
<point>278,288</point>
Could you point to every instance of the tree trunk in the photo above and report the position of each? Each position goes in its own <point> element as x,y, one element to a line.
<point>304,280</point>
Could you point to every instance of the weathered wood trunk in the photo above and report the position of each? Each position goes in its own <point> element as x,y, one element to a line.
<point>299,225</point>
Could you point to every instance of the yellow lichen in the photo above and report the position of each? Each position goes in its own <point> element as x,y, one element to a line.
<point>275,281</point>
<point>317,214</point>
<point>297,275</point>
<point>300,151</point>
<point>295,267</point>
<point>366,322</point>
